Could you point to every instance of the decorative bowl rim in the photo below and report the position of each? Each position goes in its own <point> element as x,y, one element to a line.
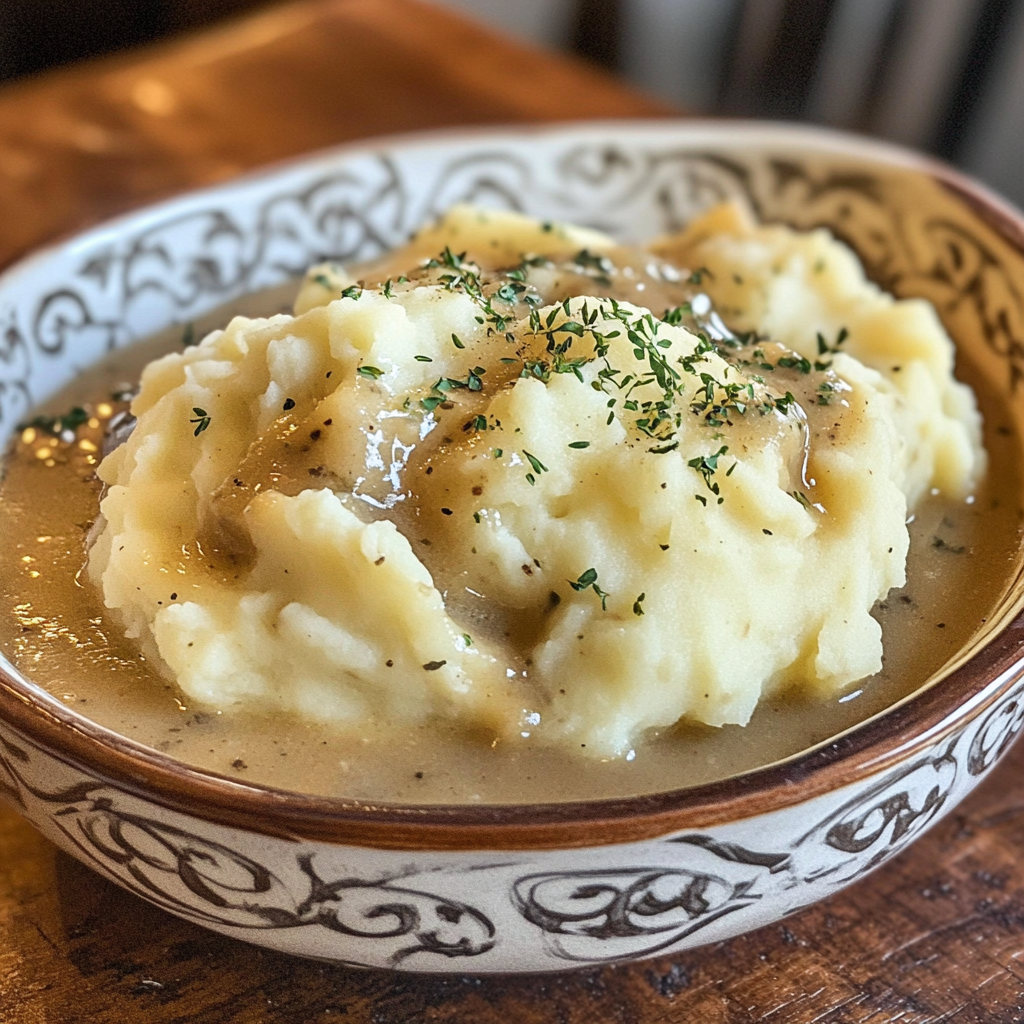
<point>892,736</point>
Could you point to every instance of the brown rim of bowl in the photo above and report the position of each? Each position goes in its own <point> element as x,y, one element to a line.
<point>893,737</point>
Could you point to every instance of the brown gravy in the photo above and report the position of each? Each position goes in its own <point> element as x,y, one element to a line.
<point>55,630</point>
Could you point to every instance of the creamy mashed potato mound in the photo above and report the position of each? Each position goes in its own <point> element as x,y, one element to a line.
<point>547,488</point>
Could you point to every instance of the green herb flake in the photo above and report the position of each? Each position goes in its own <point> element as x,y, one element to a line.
<point>58,425</point>
<point>824,348</point>
<point>638,605</point>
<point>589,580</point>
<point>535,463</point>
<point>369,371</point>
<point>798,363</point>
<point>664,449</point>
<point>202,420</point>
<point>586,579</point>
<point>579,444</point>
<point>707,466</point>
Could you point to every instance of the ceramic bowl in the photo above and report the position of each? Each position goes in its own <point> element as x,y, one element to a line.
<point>515,888</point>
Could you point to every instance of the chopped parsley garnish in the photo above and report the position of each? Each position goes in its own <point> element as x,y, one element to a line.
<point>593,261</point>
<point>665,448</point>
<point>824,349</point>
<point>353,291</point>
<point>579,444</point>
<point>785,403</point>
<point>707,466</point>
<point>716,400</point>
<point>369,371</point>
<point>674,317</point>
<point>188,336</point>
<point>202,420</point>
<point>586,579</point>
<point>589,580</point>
<point>638,605</point>
<point>440,388</point>
<point>538,466</point>
<point>798,363</point>
<point>58,425</point>
<point>324,281</point>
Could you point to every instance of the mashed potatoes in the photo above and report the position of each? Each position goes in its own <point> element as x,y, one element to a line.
<point>522,479</point>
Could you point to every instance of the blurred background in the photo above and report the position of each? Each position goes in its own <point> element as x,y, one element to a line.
<point>946,76</point>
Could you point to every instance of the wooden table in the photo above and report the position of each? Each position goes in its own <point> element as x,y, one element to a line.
<point>936,935</point>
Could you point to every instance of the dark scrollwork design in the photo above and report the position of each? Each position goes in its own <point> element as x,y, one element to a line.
<point>878,822</point>
<point>344,216</point>
<point>8,778</point>
<point>735,853</point>
<point>965,272</point>
<point>15,363</point>
<point>208,882</point>
<point>632,913</point>
<point>213,255</point>
<point>625,914</point>
<point>497,178</point>
<point>63,316</point>
<point>385,910</point>
<point>998,729</point>
<point>212,883</point>
<point>187,257</point>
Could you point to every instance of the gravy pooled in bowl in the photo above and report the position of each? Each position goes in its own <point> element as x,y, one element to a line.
<point>518,515</point>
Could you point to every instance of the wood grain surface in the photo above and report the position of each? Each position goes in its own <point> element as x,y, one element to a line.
<point>935,935</point>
